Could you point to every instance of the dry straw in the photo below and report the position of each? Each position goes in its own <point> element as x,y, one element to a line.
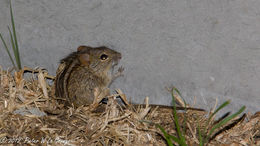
<point>110,124</point>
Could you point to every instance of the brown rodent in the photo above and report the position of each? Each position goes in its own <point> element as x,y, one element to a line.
<point>86,73</point>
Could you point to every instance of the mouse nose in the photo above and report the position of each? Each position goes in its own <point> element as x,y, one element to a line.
<point>117,58</point>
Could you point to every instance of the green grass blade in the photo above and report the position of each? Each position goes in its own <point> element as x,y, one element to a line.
<point>176,120</point>
<point>224,121</point>
<point>185,106</point>
<point>200,136</point>
<point>211,116</point>
<point>168,137</point>
<point>175,116</point>
<point>17,55</point>
<point>12,42</point>
<point>219,108</point>
<point>13,46</point>
<point>7,50</point>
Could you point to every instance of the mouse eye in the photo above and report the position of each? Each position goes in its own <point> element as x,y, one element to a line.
<point>103,57</point>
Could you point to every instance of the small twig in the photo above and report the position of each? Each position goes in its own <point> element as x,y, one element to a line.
<point>145,110</point>
<point>215,106</point>
<point>119,118</point>
<point>194,101</point>
<point>46,75</point>
<point>42,83</point>
<point>212,110</point>
<point>153,112</point>
<point>193,133</point>
<point>122,96</point>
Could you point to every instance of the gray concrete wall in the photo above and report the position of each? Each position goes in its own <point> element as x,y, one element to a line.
<point>206,48</point>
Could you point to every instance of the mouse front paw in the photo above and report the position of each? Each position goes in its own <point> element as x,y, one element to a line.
<point>117,74</point>
<point>120,70</point>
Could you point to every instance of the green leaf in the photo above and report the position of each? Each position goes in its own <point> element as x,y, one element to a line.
<point>224,121</point>
<point>219,108</point>
<point>7,50</point>
<point>12,43</point>
<point>16,52</point>
<point>209,119</point>
<point>185,106</point>
<point>176,120</point>
<point>200,136</point>
<point>167,136</point>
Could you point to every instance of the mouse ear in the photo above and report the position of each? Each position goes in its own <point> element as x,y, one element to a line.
<point>84,59</point>
<point>81,48</point>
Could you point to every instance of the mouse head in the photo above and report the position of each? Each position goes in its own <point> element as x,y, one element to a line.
<point>99,60</point>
